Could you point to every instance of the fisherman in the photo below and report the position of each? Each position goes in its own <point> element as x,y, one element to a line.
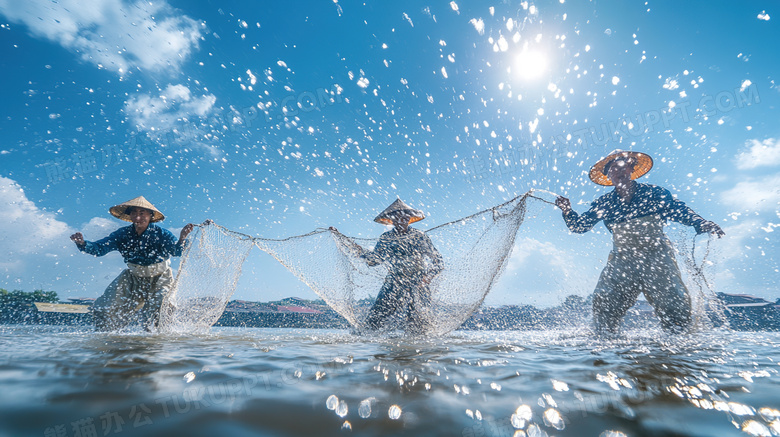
<point>146,248</point>
<point>412,262</point>
<point>642,258</point>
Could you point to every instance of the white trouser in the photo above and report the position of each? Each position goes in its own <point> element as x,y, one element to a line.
<point>137,287</point>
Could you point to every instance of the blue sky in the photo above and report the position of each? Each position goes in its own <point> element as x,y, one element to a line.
<point>274,120</point>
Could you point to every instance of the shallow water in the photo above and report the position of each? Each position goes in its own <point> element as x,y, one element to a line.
<point>70,382</point>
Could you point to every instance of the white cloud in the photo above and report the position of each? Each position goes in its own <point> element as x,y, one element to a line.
<point>738,236</point>
<point>174,105</point>
<point>34,242</point>
<point>115,34</point>
<point>26,229</point>
<point>759,154</point>
<point>175,114</point>
<point>741,264</point>
<point>757,194</point>
<point>529,248</point>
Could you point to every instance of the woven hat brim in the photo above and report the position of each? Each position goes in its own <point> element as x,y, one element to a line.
<point>643,165</point>
<point>416,216</point>
<point>398,206</point>
<point>119,211</point>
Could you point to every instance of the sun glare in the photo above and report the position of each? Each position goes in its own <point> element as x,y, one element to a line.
<point>530,64</point>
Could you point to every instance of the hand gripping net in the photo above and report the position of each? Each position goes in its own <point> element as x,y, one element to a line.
<point>207,277</point>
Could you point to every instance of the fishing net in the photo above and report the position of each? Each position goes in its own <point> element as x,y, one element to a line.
<point>473,250</point>
<point>207,276</point>
<point>693,256</point>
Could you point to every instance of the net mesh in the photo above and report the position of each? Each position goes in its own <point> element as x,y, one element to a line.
<point>207,276</point>
<point>474,250</point>
<point>693,257</point>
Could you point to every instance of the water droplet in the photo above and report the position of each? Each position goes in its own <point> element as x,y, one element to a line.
<point>751,427</point>
<point>524,412</point>
<point>347,426</point>
<point>342,409</point>
<point>521,416</point>
<point>394,412</point>
<point>554,419</point>
<point>559,385</point>
<point>741,409</point>
<point>610,433</point>
<point>364,409</point>
<point>535,431</point>
<point>189,377</point>
<point>769,413</point>
<point>332,402</point>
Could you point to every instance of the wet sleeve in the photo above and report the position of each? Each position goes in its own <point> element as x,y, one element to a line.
<point>103,246</point>
<point>677,211</point>
<point>579,224</point>
<point>376,256</point>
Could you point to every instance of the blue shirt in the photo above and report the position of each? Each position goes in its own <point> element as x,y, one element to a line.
<point>647,200</point>
<point>154,245</point>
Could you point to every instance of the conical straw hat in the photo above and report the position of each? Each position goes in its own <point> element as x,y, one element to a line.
<point>120,211</point>
<point>399,206</point>
<point>643,165</point>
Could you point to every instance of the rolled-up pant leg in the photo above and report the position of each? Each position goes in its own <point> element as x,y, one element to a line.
<point>114,309</point>
<point>615,294</point>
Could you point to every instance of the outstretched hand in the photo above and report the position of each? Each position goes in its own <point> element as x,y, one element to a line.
<point>563,203</point>
<point>77,238</point>
<point>712,228</point>
<point>185,231</point>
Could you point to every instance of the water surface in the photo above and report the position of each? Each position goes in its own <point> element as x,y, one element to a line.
<point>68,382</point>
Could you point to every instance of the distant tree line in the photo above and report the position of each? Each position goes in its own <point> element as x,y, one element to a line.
<point>19,299</point>
<point>17,305</point>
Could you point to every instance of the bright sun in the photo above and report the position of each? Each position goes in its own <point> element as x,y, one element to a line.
<point>530,64</point>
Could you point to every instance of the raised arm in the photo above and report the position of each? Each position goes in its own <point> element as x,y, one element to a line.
<point>378,255</point>
<point>347,243</point>
<point>176,248</point>
<point>97,248</point>
<point>579,224</point>
<point>676,210</point>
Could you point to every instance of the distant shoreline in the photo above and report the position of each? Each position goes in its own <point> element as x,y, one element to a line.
<point>742,312</point>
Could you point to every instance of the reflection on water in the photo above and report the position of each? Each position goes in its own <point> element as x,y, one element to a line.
<point>66,382</point>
